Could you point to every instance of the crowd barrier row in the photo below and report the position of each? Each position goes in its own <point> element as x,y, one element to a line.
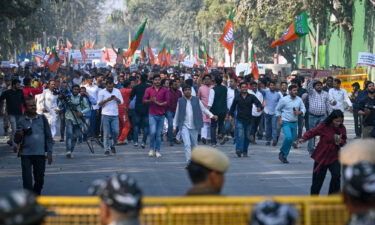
<point>197,210</point>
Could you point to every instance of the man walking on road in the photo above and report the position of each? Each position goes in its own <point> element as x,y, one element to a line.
<point>156,96</point>
<point>189,119</point>
<point>35,140</point>
<point>288,109</point>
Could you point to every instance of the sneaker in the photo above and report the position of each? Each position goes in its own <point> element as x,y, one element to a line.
<point>244,155</point>
<point>107,153</point>
<point>151,153</point>
<point>158,155</point>
<point>295,145</point>
<point>62,140</point>
<point>225,139</point>
<point>10,143</point>
<point>113,149</point>
<point>238,153</point>
<point>143,145</point>
<point>135,144</point>
<point>268,143</point>
<point>274,143</point>
<point>68,154</point>
<point>204,141</point>
<point>282,158</point>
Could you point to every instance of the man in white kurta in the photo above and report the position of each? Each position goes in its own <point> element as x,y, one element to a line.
<point>48,104</point>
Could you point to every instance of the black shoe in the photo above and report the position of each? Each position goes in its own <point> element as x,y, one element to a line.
<point>10,143</point>
<point>268,143</point>
<point>225,139</point>
<point>204,141</point>
<point>113,149</point>
<point>238,153</point>
<point>171,144</point>
<point>62,140</point>
<point>274,143</point>
<point>143,145</point>
<point>107,153</point>
<point>295,145</point>
<point>281,156</point>
<point>244,155</point>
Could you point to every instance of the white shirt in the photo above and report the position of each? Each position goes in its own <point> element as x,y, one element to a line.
<point>230,96</point>
<point>259,96</point>
<point>110,108</point>
<point>340,96</point>
<point>211,98</point>
<point>189,118</point>
<point>48,101</point>
<point>93,91</point>
<point>193,93</point>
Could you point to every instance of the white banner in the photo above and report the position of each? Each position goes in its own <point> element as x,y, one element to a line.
<point>76,54</point>
<point>38,53</point>
<point>188,63</point>
<point>94,54</point>
<point>366,58</point>
<point>5,64</point>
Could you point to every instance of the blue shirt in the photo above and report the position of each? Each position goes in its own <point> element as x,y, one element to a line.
<point>285,108</point>
<point>271,98</point>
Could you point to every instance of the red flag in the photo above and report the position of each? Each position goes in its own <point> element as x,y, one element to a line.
<point>254,65</point>
<point>106,56</point>
<point>162,57</point>
<point>53,61</point>
<point>150,55</point>
<point>87,44</point>
<point>210,62</point>
<point>227,38</point>
<point>136,40</point>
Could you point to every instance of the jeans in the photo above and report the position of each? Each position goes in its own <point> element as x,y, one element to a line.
<point>62,124</point>
<point>170,116</point>
<point>319,176</point>
<point>271,124</point>
<point>156,127</point>
<point>217,123</point>
<point>91,130</point>
<point>357,123</point>
<point>300,125</point>
<point>255,122</point>
<point>73,132</point>
<point>110,129</point>
<point>290,133</point>
<point>33,165</point>
<point>13,125</point>
<point>313,122</point>
<point>243,136</point>
<point>261,129</point>
<point>190,138</point>
<point>141,121</point>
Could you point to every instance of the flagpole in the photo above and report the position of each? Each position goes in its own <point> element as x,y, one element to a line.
<point>317,47</point>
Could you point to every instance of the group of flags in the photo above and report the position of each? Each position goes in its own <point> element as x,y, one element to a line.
<point>56,57</point>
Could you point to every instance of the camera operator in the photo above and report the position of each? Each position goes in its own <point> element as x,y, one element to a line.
<point>75,108</point>
<point>367,110</point>
<point>35,139</point>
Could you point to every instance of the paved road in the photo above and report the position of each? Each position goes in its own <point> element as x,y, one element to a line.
<point>259,174</point>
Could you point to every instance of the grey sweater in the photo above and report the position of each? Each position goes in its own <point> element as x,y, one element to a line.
<point>40,141</point>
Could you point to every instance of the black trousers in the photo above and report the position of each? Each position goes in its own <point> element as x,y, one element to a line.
<point>33,165</point>
<point>255,121</point>
<point>62,124</point>
<point>319,176</point>
<point>357,123</point>
<point>217,123</point>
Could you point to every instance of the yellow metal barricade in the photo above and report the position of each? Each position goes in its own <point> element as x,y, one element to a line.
<point>197,210</point>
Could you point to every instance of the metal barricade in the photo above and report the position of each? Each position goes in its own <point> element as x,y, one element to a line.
<point>197,210</point>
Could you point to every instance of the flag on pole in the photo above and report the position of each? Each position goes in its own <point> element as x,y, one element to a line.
<point>106,55</point>
<point>83,53</point>
<point>136,40</point>
<point>69,45</point>
<point>151,55</point>
<point>227,39</point>
<point>87,44</point>
<point>297,29</point>
<point>162,56</point>
<point>143,55</point>
<point>53,61</point>
<point>92,44</point>
<point>254,65</point>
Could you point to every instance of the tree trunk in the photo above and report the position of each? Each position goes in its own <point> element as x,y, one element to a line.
<point>287,54</point>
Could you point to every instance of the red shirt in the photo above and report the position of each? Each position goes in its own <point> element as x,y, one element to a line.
<point>31,92</point>
<point>326,151</point>
<point>160,95</point>
<point>172,99</point>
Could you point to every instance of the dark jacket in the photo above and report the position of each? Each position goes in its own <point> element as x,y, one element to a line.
<point>138,92</point>
<point>244,107</point>
<point>219,105</point>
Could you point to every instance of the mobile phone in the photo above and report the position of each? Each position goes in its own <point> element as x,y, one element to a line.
<point>294,109</point>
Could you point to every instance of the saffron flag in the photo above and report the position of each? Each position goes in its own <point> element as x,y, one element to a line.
<point>254,65</point>
<point>151,56</point>
<point>297,29</point>
<point>136,40</point>
<point>143,55</point>
<point>162,57</point>
<point>53,61</point>
<point>227,39</point>
<point>106,56</point>
<point>92,44</point>
<point>83,53</point>
<point>69,44</point>
<point>87,44</point>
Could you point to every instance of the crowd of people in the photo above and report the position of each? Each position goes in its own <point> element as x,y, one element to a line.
<point>116,106</point>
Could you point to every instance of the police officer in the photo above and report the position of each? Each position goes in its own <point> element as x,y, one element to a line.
<point>120,200</point>
<point>206,171</point>
<point>20,208</point>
